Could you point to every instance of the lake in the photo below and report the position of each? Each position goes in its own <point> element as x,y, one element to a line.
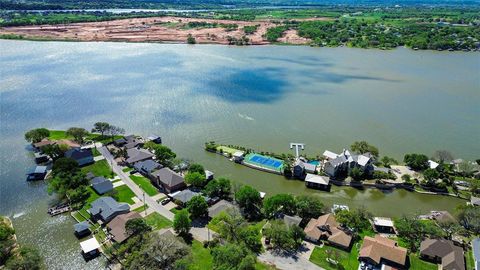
<point>262,97</point>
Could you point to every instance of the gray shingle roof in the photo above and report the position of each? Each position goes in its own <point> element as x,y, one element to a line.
<point>108,208</point>
<point>169,177</point>
<point>185,195</point>
<point>147,166</point>
<point>102,187</point>
<point>220,206</point>
<point>81,226</point>
<point>136,155</point>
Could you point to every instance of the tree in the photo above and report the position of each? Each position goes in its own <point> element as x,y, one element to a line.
<point>78,195</point>
<point>388,161</point>
<point>443,156</point>
<point>412,231</point>
<point>249,199</point>
<point>309,206</point>
<point>27,258</point>
<point>417,162</point>
<point>137,226</point>
<point>195,179</point>
<point>279,203</point>
<point>283,237</point>
<point>469,218</point>
<point>77,133</point>
<point>36,135</point>
<point>196,168</point>
<point>357,174</point>
<point>101,127</point>
<point>466,168</point>
<point>159,252</point>
<point>191,39</point>
<point>197,207</point>
<point>233,257</point>
<point>220,187</point>
<point>449,228</point>
<point>65,165</point>
<point>363,147</point>
<point>182,223</point>
<point>66,184</point>
<point>431,174</point>
<point>115,131</point>
<point>251,237</point>
<point>356,220</point>
<point>55,151</point>
<point>164,154</point>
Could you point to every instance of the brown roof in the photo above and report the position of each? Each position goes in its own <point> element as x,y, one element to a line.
<point>326,226</point>
<point>116,227</point>
<point>69,143</point>
<point>379,248</point>
<point>42,143</point>
<point>451,255</point>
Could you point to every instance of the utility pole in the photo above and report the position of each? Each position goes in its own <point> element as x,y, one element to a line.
<point>144,204</point>
<point>297,146</point>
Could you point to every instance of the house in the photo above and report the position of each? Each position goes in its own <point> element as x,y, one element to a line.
<point>154,138</point>
<point>476,252</point>
<point>317,181</point>
<point>169,180</point>
<point>105,209</point>
<point>146,167</point>
<point>383,225</point>
<point>475,201</point>
<point>380,252</point>
<point>83,157</point>
<point>209,175</point>
<point>301,167</point>
<point>184,196</point>
<point>37,173</point>
<point>128,142</point>
<point>329,155</point>
<point>343,163</point>
<point>82,229</point>
<point>238,156</point>
<point>326,228</point>
<point>116,227</point>
<point>101,185</point>
<point>219,207</point>
<point>137,154</point>
<point>90,248</point>
<point>42,143</point>
<point>443,252</point>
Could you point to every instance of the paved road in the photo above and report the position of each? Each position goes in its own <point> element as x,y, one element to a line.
<point>285,262</point>
<point>199,233</point>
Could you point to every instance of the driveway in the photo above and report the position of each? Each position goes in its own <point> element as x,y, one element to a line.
<point>287,261</point>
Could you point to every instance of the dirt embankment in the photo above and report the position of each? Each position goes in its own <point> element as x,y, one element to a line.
<point>157,29</point>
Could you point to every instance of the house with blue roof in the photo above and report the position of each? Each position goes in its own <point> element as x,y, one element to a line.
<point>37,173</point>
<point>147,167</point>
<point>83,157</point>
<point>101,185</point>
<point>105,209</point>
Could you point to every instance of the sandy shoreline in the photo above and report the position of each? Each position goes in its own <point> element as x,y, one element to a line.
<point>155,29</point>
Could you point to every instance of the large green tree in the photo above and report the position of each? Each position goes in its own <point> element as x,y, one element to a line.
<point>279,203</point>
<point>412,231</point>
<point>195,179</point>
<point>197,207</point>
<point>249,199</point>
<point>36,135</point>
<point>137,226</point>
<point>101,127</point>
<point>164,154</point>
<point>195,167</point>
<point>220,187</point>
<point>77,133</point>
<point>283,237</point>
<point>309,206</point>
<point>363,147</point>
<point>417,162</point>
<point>182,222</point>
<point>233,257</point>
<point>357,220</point>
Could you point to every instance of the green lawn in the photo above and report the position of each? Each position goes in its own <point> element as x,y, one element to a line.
<point>226,149</point>
<point>100,168</point>
<point>417,264</point>
<point>141,208</point>
<point>157,221</point>
<point>470,260</point>
<point>95,152</point>
<point>58,135</point>
<point>62,134</point>
<point>125,194</point>
<point>127,169</point>
<point>144,184</point>
<point>202,259</point>
<point>347,260</point>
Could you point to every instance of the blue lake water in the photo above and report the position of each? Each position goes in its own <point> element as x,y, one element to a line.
<point>260,97</point>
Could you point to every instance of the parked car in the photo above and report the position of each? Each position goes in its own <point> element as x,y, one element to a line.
<point>165,201</point>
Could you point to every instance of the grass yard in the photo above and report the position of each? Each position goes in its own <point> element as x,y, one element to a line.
<point>127,169</point>
<point>201,257</point>
<point>144,184</point>
<point>347,260</point>
<point>95,152</point>
<point>417,264</point>
<point>226,149</point>
<point>157,221</point>
<point>100,168</point>
<point>141,208</point>
<point>470,261</point>
<point>58,135</point>
<point>125,194</point>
